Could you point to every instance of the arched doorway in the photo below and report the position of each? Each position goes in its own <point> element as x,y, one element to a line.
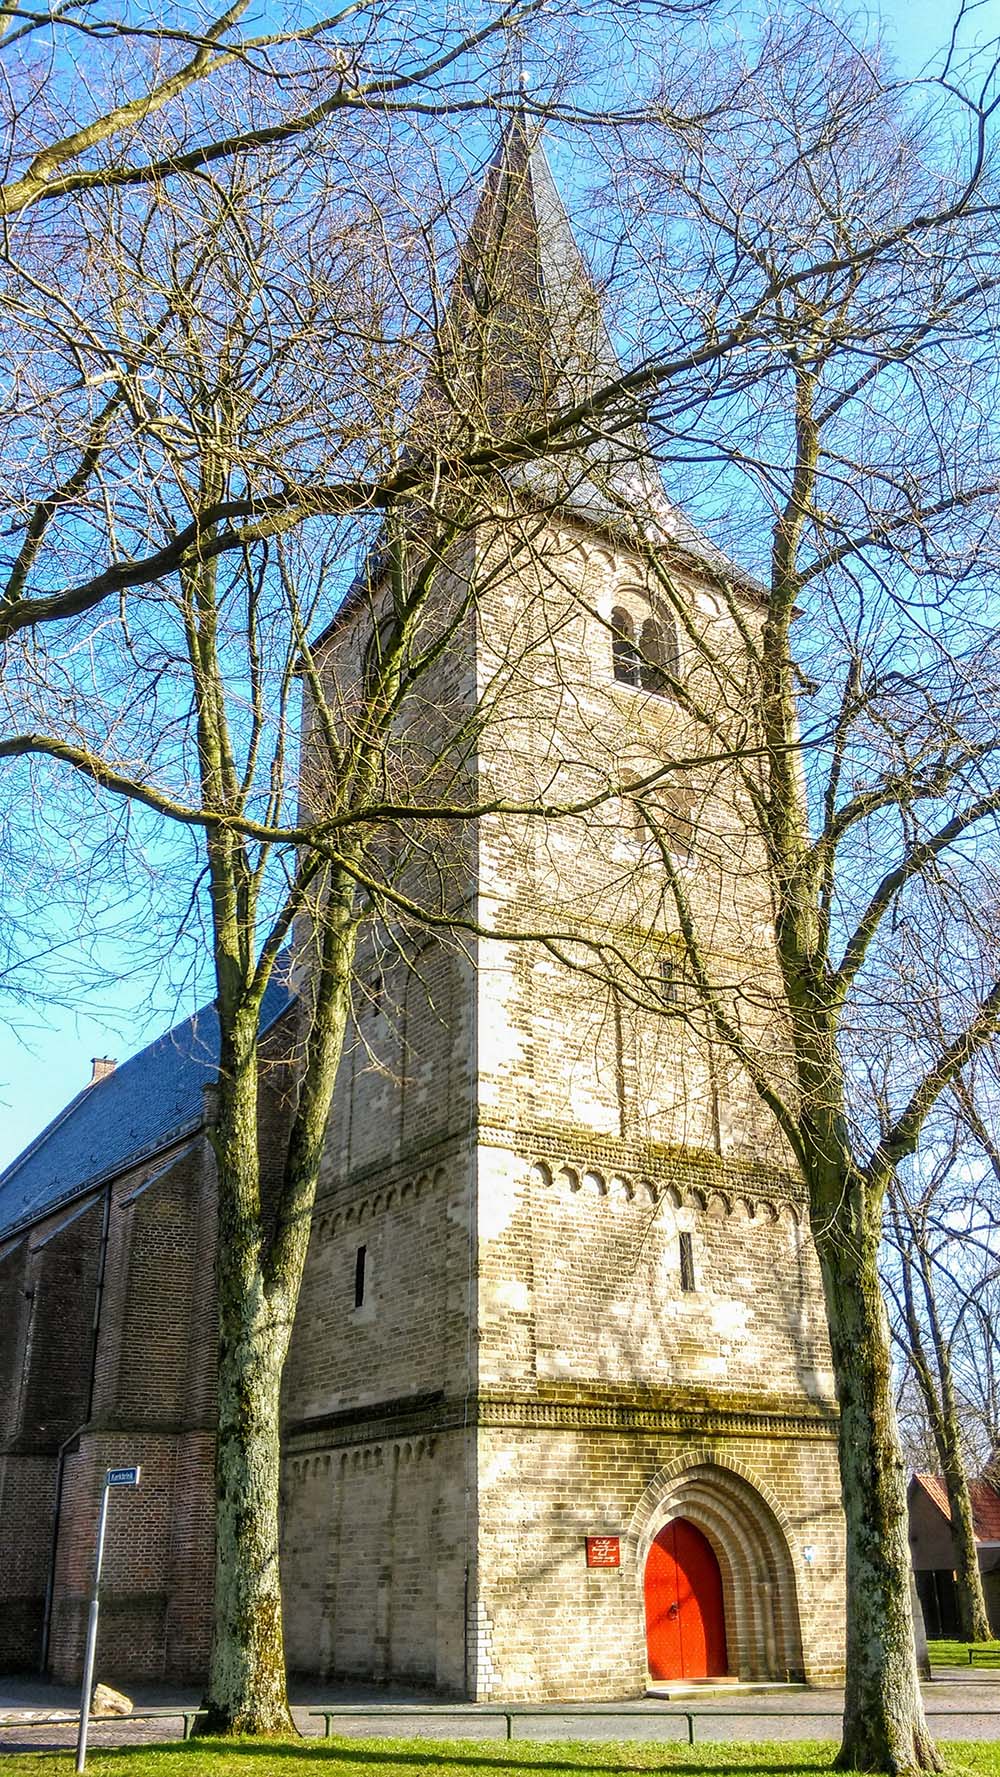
<point>685,1615</point>
<point>748,1540</point>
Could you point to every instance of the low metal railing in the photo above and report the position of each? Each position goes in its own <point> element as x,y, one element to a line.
<point>398,1712</point>
<point>525,1711</point>
<point>67,1717</point>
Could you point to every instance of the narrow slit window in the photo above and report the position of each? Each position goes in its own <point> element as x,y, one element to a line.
<point>360,1266</point>
<point>633,820</point>
<point>677,821</point>
<point>687,1261</point>
<point>381,649</point>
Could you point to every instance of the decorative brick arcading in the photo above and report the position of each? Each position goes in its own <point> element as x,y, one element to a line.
<point>574,1173</point>
<point>328,1223</point>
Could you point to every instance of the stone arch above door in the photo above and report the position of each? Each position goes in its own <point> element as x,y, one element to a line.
<point>750,1536</point>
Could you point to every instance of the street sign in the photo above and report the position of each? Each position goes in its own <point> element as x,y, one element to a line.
<point>127,1476</point>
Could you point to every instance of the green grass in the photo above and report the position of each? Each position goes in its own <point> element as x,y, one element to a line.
<point>465,1758</point>
<point>956,1653</point>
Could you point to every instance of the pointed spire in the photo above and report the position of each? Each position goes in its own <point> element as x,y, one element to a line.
<point>524,335</point>
<point>524,339</point>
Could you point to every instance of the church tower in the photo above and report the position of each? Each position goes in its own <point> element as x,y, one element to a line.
<point>558,1411</point>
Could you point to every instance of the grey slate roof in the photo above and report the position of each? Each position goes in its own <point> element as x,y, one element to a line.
<point>149,1100</point>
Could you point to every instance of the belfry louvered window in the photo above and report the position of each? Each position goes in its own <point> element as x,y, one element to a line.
<point>644,650</point>
<point>657,655</point>
<point>624,653</point>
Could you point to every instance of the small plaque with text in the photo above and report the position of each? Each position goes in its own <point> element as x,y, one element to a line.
<point>603,1551</point>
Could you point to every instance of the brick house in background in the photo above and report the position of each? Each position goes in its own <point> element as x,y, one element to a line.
<point>558,1410</point>
<point>933,1554</point>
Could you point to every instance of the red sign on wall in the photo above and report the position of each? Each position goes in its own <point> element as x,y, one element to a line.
<point>603,1551</point>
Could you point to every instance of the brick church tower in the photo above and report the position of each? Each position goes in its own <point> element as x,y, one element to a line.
<point>558,1407</point>
<point>558,1414</point>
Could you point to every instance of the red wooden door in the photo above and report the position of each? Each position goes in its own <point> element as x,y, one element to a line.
<point>685,1624</point>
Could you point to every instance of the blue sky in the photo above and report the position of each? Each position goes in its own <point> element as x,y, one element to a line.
<point>45,1055</point>
<point>919,27</point>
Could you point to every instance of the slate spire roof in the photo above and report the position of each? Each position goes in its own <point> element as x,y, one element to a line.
<point>525,332</point>
<point>525,339</point>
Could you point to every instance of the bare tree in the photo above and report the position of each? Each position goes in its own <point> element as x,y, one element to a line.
<point>940,1260</point>
<point>103,116</point>
<point>211,300</point>
<point>271,346</point>
<point>847,437</point>
<point>166,96</point>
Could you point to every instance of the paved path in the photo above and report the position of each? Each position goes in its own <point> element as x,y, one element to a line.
<point>969,1702</point>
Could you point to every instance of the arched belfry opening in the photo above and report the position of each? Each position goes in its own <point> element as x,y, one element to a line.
<point>717,1579</point>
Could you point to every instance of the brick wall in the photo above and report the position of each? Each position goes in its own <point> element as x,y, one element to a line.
<point>145,1393</point>
<point>580,1274</point>
<point>375,1544</point>
<point>560,1630</point>
<point>48,1281</point>
<point>27,1496</point>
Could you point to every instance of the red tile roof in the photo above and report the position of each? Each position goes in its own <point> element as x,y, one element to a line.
<point>985,1505</point>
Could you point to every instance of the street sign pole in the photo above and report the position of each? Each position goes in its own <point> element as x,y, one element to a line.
<point>115,1477</point>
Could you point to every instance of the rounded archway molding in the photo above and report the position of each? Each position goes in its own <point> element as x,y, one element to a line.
<point>751,1537</point>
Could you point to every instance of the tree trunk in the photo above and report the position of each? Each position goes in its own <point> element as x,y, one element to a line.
<point>260,1257</point>
<point>884,1725</point>
<point>246,1690</point>
<point>974,1622</point>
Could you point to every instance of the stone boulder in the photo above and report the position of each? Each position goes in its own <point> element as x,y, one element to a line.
<point>105,1701</point>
